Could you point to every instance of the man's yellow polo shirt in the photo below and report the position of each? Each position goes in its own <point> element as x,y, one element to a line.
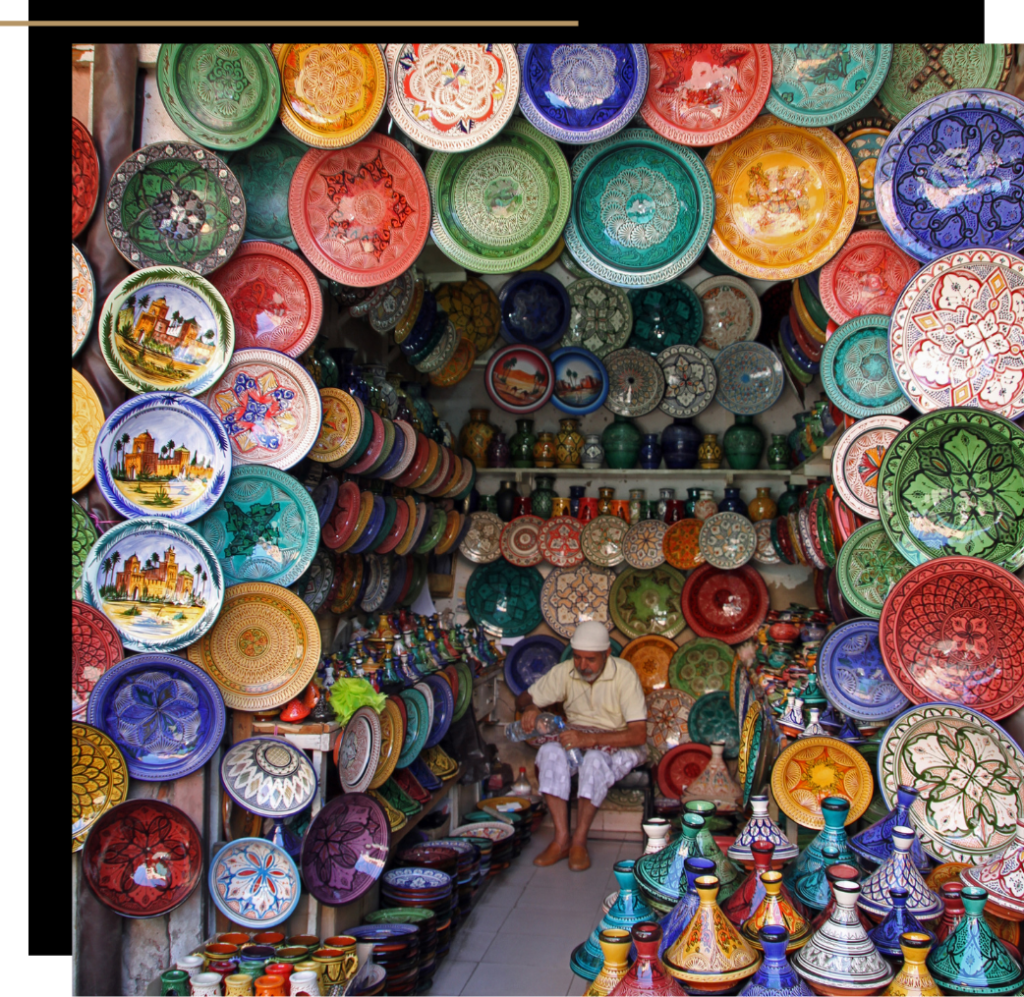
<point>614,700</point>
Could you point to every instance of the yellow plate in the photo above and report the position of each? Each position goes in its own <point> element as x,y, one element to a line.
<point>86,421</point>
<point>396,819</point>
<point>813,768</point>
<point>785,199</point>
<point>545,261</point>
<point>365,510</point>
<point>331,94</point>
<point>650,657</point>
<point>391,738</point>
<point>808,324</point>
<point>417,510</point>
<point>99,779</point>
<point>340,427</point>
<point>263,649</point>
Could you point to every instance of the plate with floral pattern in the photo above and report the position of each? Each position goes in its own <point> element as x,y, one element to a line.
<point>254,883</point>
<point>473,307</point>
<point>690,381</point>
<point>645,602</point>
<point>83,299</point>
<point>727,605</point>
<point>86,422</point>
<point>642,544</point>
<point>636,383</point>
<point>866,277</point>
<point>668,712</point>
<point>750,378</point>
<point>811,769</point>
<point>601,317</point>
<point>482,544</point>
<point>713,719</point>
<point>601,540</point>
<point>868,568</point>
<point>504,598</point>
<point>732,313</point>
<point>857,459</point>
<point>99,779</point>
<point>85,177</point>
<point>559,541</point>
<point>268,776</point>
<point>570,596</point>
<point>856,372</point>
<point>701,665</point>
<point>681,544</point>
<point>854,676</point>
<point>518,541</point>
<point>359,751</point>
<point>727,540</point>
<point>650,657</point>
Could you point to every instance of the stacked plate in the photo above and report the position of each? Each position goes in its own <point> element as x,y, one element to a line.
<point>803,331</point>
<point>422,887</point>
<point>426,920</point>
<point>486,849</point>
<point>468,869</point>
<point>502,834</point>
<point>396,947</point>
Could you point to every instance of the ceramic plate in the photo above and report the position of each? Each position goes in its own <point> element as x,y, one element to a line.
<point>601,317</point>
<point>636,383</point>
<point>751,735</point>
<point>642,544</point>
<point>690,381</point>
<point>956,336</point>
<point>647,602</point>
<point>361,214</point>
<point>494,830</point>
<point>787,216</point>
<point>378,581</point>
<point>501,207</point>
<point>700,666</point>
<point>359,751</point>
<point>680,766</point>
<point>856,372</point>
<point>83,536</point>
<point>868,568</point>
<point>473,307</point>
<point>166,329</point>
<point>166,715</point>
<point>535,309</point>
<point>732,313</point>
<point>221,95</point>
<point>866,277</point>
<point>663,316</point>
<point>814,768</point>
<point>570,596</point>
<point>341,429</point>
<point>444,707</point>
<point>616,241</point>
<point>482,544</point>
<point>99,779</point>
<point>86,422</point>
<point>332,94</point>
<point>83,299</point>
<point>268,776</point>
<point>951,484</point>
<point>650,657</point>
<point>183,479</point>
<point>95,648</point>
<point>264,528</point>
<point>927,189</point>
<point>530,659</point>
<point>254,883</point>
<point>580,381</point>
<point>386,311</point>
<point>174,204</point>
<point>519,379</point>
<point>727,540</point>
<point>952,630</point>
<point>854,676</point>
<point>559,541</point>
<point>750,378</point>
<point>814,85</point>
<point>601,540</point>
<point>857,458</point>
<point>962,764</point>
<point>452,97</point>
<point>85,177</point>
<point>418,706</point>
<point>681,544</point>
<point>712,719</point>
<point>143,858</point>
<point>864,138</point>
<point>518,541</point>
<point>505,598</point>
<point>727,605</point>
<point>668,712</point>
<point>392,739</point>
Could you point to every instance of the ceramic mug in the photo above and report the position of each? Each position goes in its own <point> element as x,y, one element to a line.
<point>559,507</point>
<point>274,938</point>
<point>310,941</point>
<point>207,985</point>
<point>191,964</point>
<point>304,984</point>
<point>238,985</point>
<point>339,961</point>
<point>217,951</point>
<point>270,986</point>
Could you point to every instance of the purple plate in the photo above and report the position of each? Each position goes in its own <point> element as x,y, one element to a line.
<point>853,673</point>
<point>444,708</point>
<point>531,658</point>
<point>392,459</point>
<point>373,525</point>
<point>793,349</point>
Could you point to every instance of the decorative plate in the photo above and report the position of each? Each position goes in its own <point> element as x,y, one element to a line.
<point>341,427</point>
<point>951,484</point>
<point>530,659</point>
<point>712,719</point>
<point>610,236</point>
<point>158,582</point>
<point>857,458</point>
<point>865,138</point>
<point>765,552</point>
<point>866,277</point>
<point>853,674</point>
<point>952,630</point>
<point>856,372</point>
<point>505,598</point>
<point>650,657</point>
<point>99,779</point>
<point>700,666</point>
<point>378,581</point>
<point>690,381</point>
<point>264,528</point>
<point>391,741</point>
<point>636,383</point>
<point>518,541</point>
<point>647,602</point>
<point>868,568</point>
<point>579,93</point>
<point>315,585</point>
<point>519,379</point>
<point>668,712</point>
<point>813,768</point>
<point>359,751</point>
<point>727,540</point>
<point>751,736</point>
<point>175,205</point>
<point>166,715</point>
<point>83,536</point>
<point>444,707</point>
<point>95,649</point>
<point>956,335</point>
<point>385,313</point>
<point>418,707</point>
<point>727,605</point>
<point>750,378</point>
<point>642,544</point>
<point>666,315</point>
<point>86,421</point>
<point>143,858</point>
<point>83,299</point>
<point>494,830</point>
<point>254,883</point>
<point>268,776</point>
<point>559,541</point>
<point>181,482</point>
<point>703,94</point>
<point>535,309</point>
<point>570,596</point>
<point>680,766</point>
<point>332,94</point>
<point>580,381</point>
<point>789,217</point>
<point>416,879</point>
<point>969,774</point>
<point>814,85</point>
<point>681,544</point>
<point>601,540</point>
<point>473,307</point>
<point>361,215</point>
<point>166,329</point>
<point>732,313</point>
<point>500,207</point>
<point>482,544</point>
<point>601,316</point>
<point>452,97</point>
<point>85,177</point>
<point>221,95</point>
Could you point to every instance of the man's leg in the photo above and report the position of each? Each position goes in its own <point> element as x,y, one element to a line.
<point>553,768</point>
<point>598,773</point>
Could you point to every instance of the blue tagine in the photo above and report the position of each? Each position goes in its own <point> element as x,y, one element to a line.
<point>775,977</point>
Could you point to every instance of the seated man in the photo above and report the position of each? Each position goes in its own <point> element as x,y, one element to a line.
<point>603,695</point>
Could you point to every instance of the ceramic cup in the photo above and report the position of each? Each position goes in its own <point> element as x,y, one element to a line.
<point>206,985</point>
<point>274,938</point>
<point>238,985</point>
<point>270,986</point>
<point>234,938</point>
<point>191,964</point>
<point>217,951</point>
<point>292,954</point>
<point>338,961</point>
<point>304,984</point>
<point>310,941</point>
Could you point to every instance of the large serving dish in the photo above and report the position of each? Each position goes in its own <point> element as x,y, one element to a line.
<point>668,711</point>
<point>601,540</point>
<point>750,378</point>
<point>95,648</point>
<point>680,766</point>
<point>856,372</point>
<point>505,598</point>
<point>867,569</point>
<point>713,719</point>
<point>529,659</point>
<point>690,381</point>
<point>559,541</point>
<point>727,540</point>
<point>254,883</point>
<point>681,544</point>
<point>866,277</point>
<point>482,542</point>
<point>99,779</point>
<point>701,665</point>
<point>518,541</point>
<point>642,544</point>
<point>643,602</point>
<point>727,605</point>
<point>854,675</point>
<point>86,421</point>
<point>570,596</point>
<point>857,459</point>
<point>83,299</point>
<point>268,776</point>
<point>811,769</point>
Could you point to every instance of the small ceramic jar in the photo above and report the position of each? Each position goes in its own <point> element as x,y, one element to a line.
<point>576,492</point>
<point>238,985</point>
<point>664,494</point>
<point>680,441</point>
<point>705,506</point>
<point>542,495</point>
<point>174,982</point>
<point>474,439</point>
<point>692,494</point>
<point>763,506</point>
<point>270,986</point>
<point>650,452</point>
<point>710,453</point>
<point>498,451</point>
<point>559,506</point>
<point>505,500</point>
<point>604,501</point>
<point>732,502</point>
<point>521,445</point>
<point>545,451</point>
<point>569,444</point>
<point>778,453</point>
<point>588,509</point>
<point>636,496</point>
<point>620,508</point>
<point>207,985</point>
<point>593,452</point>
<point>674,511</point>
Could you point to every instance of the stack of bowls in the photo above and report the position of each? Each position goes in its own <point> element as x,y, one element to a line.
<point>426,920</point>
<point>396,948</point>
<point>421,887</point>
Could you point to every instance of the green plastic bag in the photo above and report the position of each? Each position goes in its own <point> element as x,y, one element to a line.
<point>348,695</point>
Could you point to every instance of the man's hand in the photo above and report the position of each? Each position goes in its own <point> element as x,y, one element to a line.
<point>577,739</point>
<point>529,718</point>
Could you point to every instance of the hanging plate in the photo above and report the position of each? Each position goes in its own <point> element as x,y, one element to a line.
<point>750,378</point>
<point>392,736</point>
<point>530,659</point>
<point>95,648</point>
<point>663,316</point>
<point>601,318</point>
<point>751,735</point>
<point>732,313</point>
<point>647,602</point>
<point>727,540</point>
<point>444,707</point>
<point>535,309</point>
<point>601,540</point>
<point>359,751</point>
<point>86,422</point>
<point>482,544</point>
<point>268,776</point>
<point>857,458</point>
<point>642,544</point>
<point>856,372</point>
<point>341,428</point>
<point>580,381</point>
<point>83,536</point>
<point>99,779</point>
<point>83,299</point>
<point>668,712</point>
<point>505,598</point>
<point>681,544</point>
<point>559,541</point>
<point>473,307</point>
<point>570,596</point>
<point>85,177</point>
<point>650,657</point>
<point>868,568</point>
<point>712,719</point>
<point>812,769</point>
<point>727,605</point>
<point>765,552</point>
<point>701,665</point>
<point>690,381</point>
<point>865,138</point>
<point>418,707</point>
<point>680,766</point>
<point>636,383</point>
<point>518,541</point>
<point>866,277</point>
<point>519,379</point>
<point>854,676</point>
<point>254,883</point>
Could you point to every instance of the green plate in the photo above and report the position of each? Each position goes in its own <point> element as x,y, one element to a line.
<point>501,207</point>
<point>418,729</point>
<point>868,567</point>
<point>644,602</point>
<point>465,696</point>
<point>222,95</point>
<point>810,301</point>
<point>825,538</point>
<point>700,666</point>
<point>747,774</point>
<point>505,598</point>
<point>399,798</point>
<point>83,536</point>
<point>434,532</point>
<point>856,371</point>
<point>419,576</point>
<point>952,483</point>
<point>712,719</point>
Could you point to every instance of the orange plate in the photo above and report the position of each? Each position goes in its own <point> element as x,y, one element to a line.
<point>650,657</point>
<point>681,546</point>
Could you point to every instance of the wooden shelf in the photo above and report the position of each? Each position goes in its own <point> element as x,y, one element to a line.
<point>599,475</point>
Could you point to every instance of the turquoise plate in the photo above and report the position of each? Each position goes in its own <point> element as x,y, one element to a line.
<point>418,729</point>
<point>856,370</point>
<point>505,598</point>
<point>712,719</point>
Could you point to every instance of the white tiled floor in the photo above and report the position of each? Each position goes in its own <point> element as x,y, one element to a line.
<point>519,936</point>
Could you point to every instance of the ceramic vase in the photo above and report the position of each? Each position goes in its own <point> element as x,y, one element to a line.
<point>207,984</point>
<point>604,501</point>
<point>898,872</point>
<point>636,501</point>
<point>741,905</point>
<point>673,511</point>
<point>972,959</point>
<point>665,495</point>
<point>839,958</point>
<point>239,985</point>
<point>705,506</point>
<point>593,453</point>
<point>576,492</point>
<point>710,453</point>
<point>806,878</point>
<point>657,830</point>
<point>304,984</point>
<point>505,500</point>
<point>569,443</point>
<point>789,501</point>
<point>680,441</point>
<point>692,497</point>
<point>761,827</point>
<point>886,935</point>
<point>559,506</point>
<point>775,976</point>
<point>621,441</point>
<point>650,452</point>
<point>874,844</point>
<point>775,909</point>
<point>545,450</point>
<point>175,981</point>
<point>778,452</point>
<point>521,445</point>
<point>710,954</point>
<point>615,945</point>
<point>796,439</point>
<point>497,450</point>
<point>476,435</point>
<point>715,784</point>
<point>658,876</point>
<point>1003,877</point>
<point>488,504</point>
<point>763,507</point>
<point>731,502</point>
<point>743,444</point>
<point>673,923</point>
<point>647,975</point>
<point>542,495</point>
<point>913,979</point>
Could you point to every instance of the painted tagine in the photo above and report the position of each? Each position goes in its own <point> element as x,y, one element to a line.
<point>775,975</point>
<point>874,844</point>
<point>775,909</point>
<point>673,923</point>
<point>898,872</point>
<point>615,944</point>
<point>913,979</point>
<point>1003,878</point>
<point>647,976</point>
<point>761,827</point>
<point>715,784</point>
<point>740,907</point>
<point>806,877</point>
<point>897,922</point>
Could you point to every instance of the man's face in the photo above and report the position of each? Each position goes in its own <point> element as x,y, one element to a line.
<point>589,664</point>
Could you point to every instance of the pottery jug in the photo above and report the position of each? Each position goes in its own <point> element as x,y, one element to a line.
<point>476,435</point>
<point>497,450</point>
<point>899,872</point>
<point>761,827</point>
<point>763,507</point>
<point>593,452</point>
<point>542,495</point>
<point>775,975</point>
<point>621,442</point>
<point>715,784</point>
<point>886,935</point>
<point>576,492</point>
<point>650,452</point>
<point>710,453</point>
<point>743,443</point>
<point>665,495</point>
<point>648,974</point>
<point>789,501</point>
<point>913,979</point>
<point>705,506</point>
<point>207,984</point>
<point>521,445</point>
<point>175,981</point>
<point>569,443</point>
<point>615,944</point>
<point>692,496</point>
<point>238,985</point>
<point>604,501</point>
<point>732,502</point>
<point>505,500</point>
<point>673,923</point>
<point>680,441</point>
<point>545,450</point>
<point>776,910</point>
<point>874,844</point>
<point>741,905</point>
<point>304,984</point>
<point>778,453</point>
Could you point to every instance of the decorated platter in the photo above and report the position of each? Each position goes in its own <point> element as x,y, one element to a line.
<point>857,459</point>
<point>636,383</point>
<point>615,241</point>
<point>519,379</point>
<point>750,378</point>
<point>650,657</point>
<point>505,598</point>
<point>864,138</point>
<point>751,736</point>
<point>518,541</point>
<point>529,659</point>
<point>83,299</point>
<point>854,676</point>
<point>85,177</point>
<point>95,648</point>
<point>701,665</point>
<point>341,428</point>
<point>268,776</point>
<point>727,540</point>
<point>418,707</point>
<point>570,596</point>
<point>388,309</point>
<point>713,719</point>
<point>680,766</point>
<point>482,544</point>
<point>392,737</point>
<point>663,316</point>
<point>559,541</point>
<point>99,779</point>
<point>856,372</point>
<point>534,308</point>
<point>580,381</point>
<point>601,540</point>
<point>726,605</point>
<point>378,581</point>
<point>668,712</point>
<point>811,769</point>
<point>254,883</point>
<point>86,423</point>
<point>647,602</point>
<point>732,313</point>
<point>642,544</point>
<point>359,751</point>
<point>866,277</point>
<point>83,536</point>
<point>690,381</point>
<point>868,568</point>
<point>473,307</point>
<point>601,316</point>
<point>681,544</point>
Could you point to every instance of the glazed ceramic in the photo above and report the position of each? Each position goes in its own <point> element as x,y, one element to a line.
<point>85,177</point>
<point>899,872</point>
<point>856,371</point>
<point>812,770</point>
<point>636,383</point>
<point>268,777</point>
<point>854,675</point>
<point>505,597</point>
<point>761,827</point>
<point>95,648</point>
<point>913,979</point>
<point>667,713</point>
<point>716,784</point>
<point>647,601</point>
<point>648,974</point>
<point>886,935</point>
<point>601,317</point>
<point>710,453</point>
<point>99,779</point>
<point>673,923</point>
<point>1001,877</point>
<point>690,381</point>
<point>254,882</point>
<point>874,844</point>
<point>727,540</point>
<point>857,458</point>
<point>775,975</point>
<point>776,910</point>
<point>865,277</point>
<point>729,605</point>
<point>87,418</point>
<point>534,309</point>
<point>519,379</point>
<point>701,665</point>
<point>621,441</point>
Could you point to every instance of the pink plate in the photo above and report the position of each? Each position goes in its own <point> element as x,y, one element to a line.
<point>559,541</point>
<point>520,541</point>
<point>373,450</point>
<point>857,458</point>
<point>728,605</point>
<point>865,277</point>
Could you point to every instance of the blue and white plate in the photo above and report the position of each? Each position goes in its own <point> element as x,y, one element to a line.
<point>535,309</point>
<point>162,454</point>
<point>854,676</point>
<point>444,708</point>
<point>531,658</point>
<point>254,883</point>
<point>414,878</point>
<point>750,378</point>
<point>581,381</point>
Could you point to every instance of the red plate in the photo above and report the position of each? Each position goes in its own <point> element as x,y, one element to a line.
<point>95,647</point>
<point>273,296</point>
<point>344,516</point>
<point>85,177</point>
<point>374,448</point>
<point>398,528</point>
<point>419,462</point>
<point>952,630</point>
<point>559,542</point>
<point>361,215</point>
<point>410,574</point>
<point>444,461</point>
<point>810,348</point>
<point>400,703</point>
<point>520,541</point>
<point>454,468</point>
<point>679,766</point>
<point>727,605</point>
<point>143,858</point>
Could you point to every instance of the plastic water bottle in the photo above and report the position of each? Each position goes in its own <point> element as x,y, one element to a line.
<point>546,725</point>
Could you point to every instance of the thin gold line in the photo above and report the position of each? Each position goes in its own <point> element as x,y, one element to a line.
<point>289,24</point>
